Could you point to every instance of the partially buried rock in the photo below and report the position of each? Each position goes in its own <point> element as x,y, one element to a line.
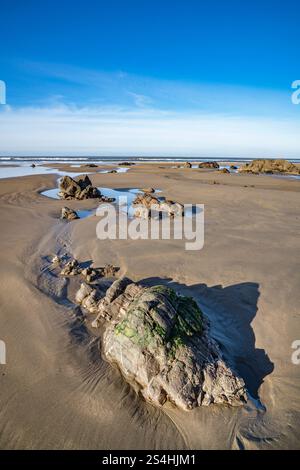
<point>88,297</point>
<point>69,214</point>
<point>92,274</point>
<point>80,189</point>
<point>148,190</point>
<point>208,165</point>
<point>187,165</point>
<point>160,342</point>
<point>233,167</point>
<point>225,171</point>
<point>145,203</point>
<point>77,189</point>
<point>270,166</point>
<point>71,268</point>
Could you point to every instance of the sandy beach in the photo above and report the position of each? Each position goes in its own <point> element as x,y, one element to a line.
<point>57,391</point>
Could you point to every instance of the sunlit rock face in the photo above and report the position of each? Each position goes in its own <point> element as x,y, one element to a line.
<point>160,342</point>
<point>270,166</point>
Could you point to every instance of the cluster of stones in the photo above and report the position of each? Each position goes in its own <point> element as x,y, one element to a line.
<point>71,267</point>
<point>146,205</point>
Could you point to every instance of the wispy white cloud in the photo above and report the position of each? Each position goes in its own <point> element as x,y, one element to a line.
<point>119,113</point>
<point>119,131</point>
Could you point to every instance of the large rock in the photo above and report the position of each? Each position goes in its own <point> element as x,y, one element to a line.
<point>270,166</point>
<point>208,165</point>
<point>80,189</point>
<point>146,201</point>
<point>160,342</point>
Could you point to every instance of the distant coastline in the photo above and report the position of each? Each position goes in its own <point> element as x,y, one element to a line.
<point>108,159</point>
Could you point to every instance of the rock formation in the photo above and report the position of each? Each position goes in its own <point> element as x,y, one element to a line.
<point>233,167</point>
<point>148,190</point>
<point>90,275</point>
<point>71,268</point>
<point>126,164</point>
<point>146,201</point>
<point>160,342</point>
<point>68,214</point>
<point>208,165</point>
<point>79,189</point>
<point>187,165</point>
<point>270,166</point>
<point>224,170</point>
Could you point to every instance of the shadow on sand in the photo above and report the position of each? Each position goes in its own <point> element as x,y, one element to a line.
<point>230,311</point>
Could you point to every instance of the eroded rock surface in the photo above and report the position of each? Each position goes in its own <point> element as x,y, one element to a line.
<point>79,189</point>
<point>270,166</point>
<point>73,268</point>
<point>160,342</point>
<point>146,201</point>
<point>208,165</point>
<point>68,214</point>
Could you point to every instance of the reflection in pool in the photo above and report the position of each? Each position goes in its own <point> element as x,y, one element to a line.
<point>118,193</point>
<point>27,170</point>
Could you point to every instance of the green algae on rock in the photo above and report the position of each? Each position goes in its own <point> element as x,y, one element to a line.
<point>161,344</point>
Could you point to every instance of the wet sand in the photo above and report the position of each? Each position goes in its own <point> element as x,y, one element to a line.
<point>56,390</point>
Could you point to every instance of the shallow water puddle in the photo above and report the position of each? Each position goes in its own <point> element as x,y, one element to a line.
<point>118,193</point>
<point>118,170</point>
<point>22,170</point>
<point>27,170</point>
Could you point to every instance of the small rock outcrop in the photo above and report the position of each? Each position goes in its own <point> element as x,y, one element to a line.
<point>160,342</point>
<point>148,190</point>
<point>126,164</point>
<point>144,202</point>
<point>88,297</point>
<point>187,165</point>
<point>225,171</point>
<point>92,274</point>
<point>80,189</point>
<point>270,166</point>
<point>68,214</point>
<point>233,167</point>
<point>209,165</point>
<point>73,268</point>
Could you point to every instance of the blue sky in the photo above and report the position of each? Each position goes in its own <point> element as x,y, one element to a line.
<point>150,77</point>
